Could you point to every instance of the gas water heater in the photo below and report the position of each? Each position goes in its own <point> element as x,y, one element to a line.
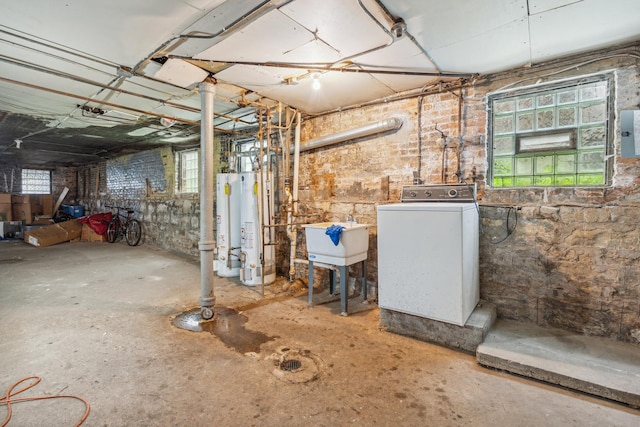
<point>256,242</point>
<point>227,263</point>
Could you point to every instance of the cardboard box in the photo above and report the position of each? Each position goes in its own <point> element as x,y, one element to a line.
<point>25,198</point>
<point>5,198</point>
<point>47,204</point>
<point>72,227</point>
<point>42,220</point>
<point>6,213</point>
<point>25,206</point>
<point>88,235</point>
<point>23,212</point>
<point>53,234</point>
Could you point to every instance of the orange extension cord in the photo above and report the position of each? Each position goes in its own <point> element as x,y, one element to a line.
<point>6,400</point>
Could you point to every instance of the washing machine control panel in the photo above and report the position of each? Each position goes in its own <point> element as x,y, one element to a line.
<point>439,193</point>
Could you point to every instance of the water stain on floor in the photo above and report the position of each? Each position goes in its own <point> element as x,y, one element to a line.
<point>228,325</point>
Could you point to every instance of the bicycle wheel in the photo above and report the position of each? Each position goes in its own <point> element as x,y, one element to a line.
<point>113,230</point>
<point>133,232</point>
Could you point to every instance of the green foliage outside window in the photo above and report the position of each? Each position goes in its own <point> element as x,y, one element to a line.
<point>580,109</point>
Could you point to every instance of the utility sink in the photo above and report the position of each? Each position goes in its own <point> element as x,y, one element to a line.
<point>352,248</point>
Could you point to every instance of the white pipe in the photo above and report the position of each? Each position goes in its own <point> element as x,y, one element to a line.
<point>393,123</point>
<point>296,163</point>
<point>227,195</point>
<point>207,244</point>
<point>292,200</point>
<point>292,234</point>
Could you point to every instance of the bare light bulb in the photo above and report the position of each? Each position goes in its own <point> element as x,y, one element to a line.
<point>316,82</point>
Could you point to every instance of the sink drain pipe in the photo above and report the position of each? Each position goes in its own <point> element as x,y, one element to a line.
<point>207,243</point>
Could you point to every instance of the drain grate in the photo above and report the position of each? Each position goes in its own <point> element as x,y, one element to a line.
<point>290,365</point>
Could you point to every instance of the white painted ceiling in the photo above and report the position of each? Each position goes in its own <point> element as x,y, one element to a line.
<point>84,68</point>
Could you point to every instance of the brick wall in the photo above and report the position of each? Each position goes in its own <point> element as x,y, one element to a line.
<point>574,259</point>
<point>144,182</point>
<point>11,180</point>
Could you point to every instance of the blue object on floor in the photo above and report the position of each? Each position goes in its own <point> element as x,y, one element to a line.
<point>76,211</point>
<point>334,232</point>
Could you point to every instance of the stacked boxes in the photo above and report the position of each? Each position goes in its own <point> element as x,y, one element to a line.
<point>5,207</point>
<point>25,207</point>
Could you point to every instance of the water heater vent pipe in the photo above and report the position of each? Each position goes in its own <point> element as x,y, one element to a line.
<point>393,123</point>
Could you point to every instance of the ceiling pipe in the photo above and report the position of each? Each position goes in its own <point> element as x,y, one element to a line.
<point>392,124</point>
<point>72,77</point>
<point>259,10</point>
<point>39,42</point>
<point>398,24</point>
<point>87,98</point>
<point>432,89</point>
<point>374,49</point>
<point>110,104</point>
<point>323,67</point>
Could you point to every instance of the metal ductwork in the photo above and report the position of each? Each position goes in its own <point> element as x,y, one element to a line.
<point>394,123</point>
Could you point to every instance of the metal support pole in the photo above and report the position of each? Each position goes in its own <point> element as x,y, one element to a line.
<point>207,242</point>
<point>310,283</point>
<point>343,290</point>
<point>364,280</point>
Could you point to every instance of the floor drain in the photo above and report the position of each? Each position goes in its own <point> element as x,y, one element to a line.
<point>290,365</point>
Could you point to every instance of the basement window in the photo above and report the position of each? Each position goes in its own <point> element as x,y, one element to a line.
<point>187,168</point>
<point>36,181</point>
<point>551,136</point>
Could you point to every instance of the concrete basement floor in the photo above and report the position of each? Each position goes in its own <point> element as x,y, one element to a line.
<point>95,320</point>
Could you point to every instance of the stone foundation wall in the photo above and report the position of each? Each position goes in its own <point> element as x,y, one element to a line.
<point>144,182</point>
<point>572,261</point>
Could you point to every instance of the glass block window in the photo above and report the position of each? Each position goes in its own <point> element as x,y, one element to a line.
<point>36,181</point>
<point>551,136</point>
<point>188,171</point>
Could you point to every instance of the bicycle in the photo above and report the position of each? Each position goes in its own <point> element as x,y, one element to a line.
<point>124,225</point>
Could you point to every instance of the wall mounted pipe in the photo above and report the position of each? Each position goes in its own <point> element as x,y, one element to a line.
<point>207,243</point>
<point>393,123</point>
<point>296,162</point>
<point>292,200</point>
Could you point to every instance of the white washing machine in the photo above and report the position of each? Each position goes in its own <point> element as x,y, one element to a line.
<point>428,253</point>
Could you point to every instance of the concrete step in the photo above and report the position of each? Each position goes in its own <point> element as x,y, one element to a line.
<point>465,338</point>
<point>594,365</point>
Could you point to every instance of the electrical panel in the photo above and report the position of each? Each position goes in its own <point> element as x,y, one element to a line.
<point>630,133</point>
